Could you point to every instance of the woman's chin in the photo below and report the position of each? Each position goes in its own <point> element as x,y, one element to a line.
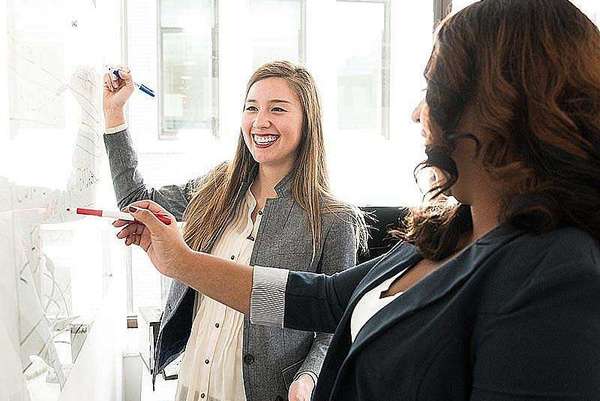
<point>267,162</point>
<point>271,162</point>
<point>261,158</point>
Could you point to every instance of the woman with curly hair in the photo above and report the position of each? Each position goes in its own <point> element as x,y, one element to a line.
<point>493,293</point>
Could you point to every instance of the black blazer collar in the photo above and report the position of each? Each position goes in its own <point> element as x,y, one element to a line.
<point>435,286</point>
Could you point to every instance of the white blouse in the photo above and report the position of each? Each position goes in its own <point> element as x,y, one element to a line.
<point>211,368</point>
<point>370,304</point>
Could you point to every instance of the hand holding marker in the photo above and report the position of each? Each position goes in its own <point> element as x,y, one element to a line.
<point>116,73</point>
<point>114,215</point>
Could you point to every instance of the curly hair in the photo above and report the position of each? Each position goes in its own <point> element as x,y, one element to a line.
<point>530,70</point>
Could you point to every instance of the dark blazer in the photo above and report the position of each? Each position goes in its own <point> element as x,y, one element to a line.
<point>515,316</point>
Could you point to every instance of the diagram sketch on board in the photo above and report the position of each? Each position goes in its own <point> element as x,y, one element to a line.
<point>54,153</point>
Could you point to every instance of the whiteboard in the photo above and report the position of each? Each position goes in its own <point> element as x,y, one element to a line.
<point>54,267</point>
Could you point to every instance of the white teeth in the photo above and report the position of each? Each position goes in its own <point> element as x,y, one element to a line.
<point>264,140</point>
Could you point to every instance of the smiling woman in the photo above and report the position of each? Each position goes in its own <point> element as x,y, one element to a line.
<point>274,188</point>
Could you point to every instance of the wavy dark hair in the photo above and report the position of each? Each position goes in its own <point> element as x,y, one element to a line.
<point>530,71</point>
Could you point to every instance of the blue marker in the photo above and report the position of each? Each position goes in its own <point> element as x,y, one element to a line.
<point>141,87</point>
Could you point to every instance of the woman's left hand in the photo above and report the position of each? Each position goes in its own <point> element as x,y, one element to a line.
<point>301,389</point>
<point>163,243</point>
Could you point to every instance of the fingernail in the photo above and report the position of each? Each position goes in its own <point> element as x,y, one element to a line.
<point>133,209</point>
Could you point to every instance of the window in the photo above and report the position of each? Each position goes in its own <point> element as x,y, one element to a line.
<point>382,50</point>
<point>277,30</point>
<point>188,66</point>
<point>363,62</point>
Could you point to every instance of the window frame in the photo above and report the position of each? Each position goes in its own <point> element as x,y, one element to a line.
<point>302,32</point>
<point>386,57</point>
<point>213,121</point>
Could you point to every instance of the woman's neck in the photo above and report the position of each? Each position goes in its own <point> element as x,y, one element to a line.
<point>484,213</point>
<point>266,180</point>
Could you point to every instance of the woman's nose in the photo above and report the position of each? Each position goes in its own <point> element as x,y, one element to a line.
<point>416,114</point>
<point>261,121</point>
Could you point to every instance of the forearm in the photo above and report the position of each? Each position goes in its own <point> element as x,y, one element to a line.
<point>315,357</point>
<point>114,118</point>
<point>224,281</point>
<point>128,183</point>
<point>314,302</point>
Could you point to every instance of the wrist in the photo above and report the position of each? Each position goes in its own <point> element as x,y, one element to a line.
<point>306,378</point>
<point>186,258</point>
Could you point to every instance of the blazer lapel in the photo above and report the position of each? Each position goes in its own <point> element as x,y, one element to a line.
<point>439,283</point>
<point>400,257</point>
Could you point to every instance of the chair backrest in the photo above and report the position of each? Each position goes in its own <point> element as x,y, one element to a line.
<point>380,221</point>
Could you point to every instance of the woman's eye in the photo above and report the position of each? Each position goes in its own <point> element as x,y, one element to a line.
<point>251,108</point>
<point>278,109</point>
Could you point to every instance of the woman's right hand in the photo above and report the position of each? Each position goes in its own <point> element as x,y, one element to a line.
<point>172,257</point>
<point>116,93</point>
<point>163,243</point>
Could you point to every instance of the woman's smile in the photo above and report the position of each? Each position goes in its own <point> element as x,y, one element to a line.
<point>263,141</point>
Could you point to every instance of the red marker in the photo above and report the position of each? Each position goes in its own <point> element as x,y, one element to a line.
<point>115,215</point>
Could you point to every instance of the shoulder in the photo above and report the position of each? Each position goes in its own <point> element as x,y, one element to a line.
<point>346,220</point>
<point>341,219</point>
<point>563,246</point>
<point>568,253</point>
<point>335,212</point>
<point>340,214</point>
<point>215,176</point>
<point>537,268</point>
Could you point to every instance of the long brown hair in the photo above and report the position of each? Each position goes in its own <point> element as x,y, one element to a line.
<point>530,71</point>
<point>218,197</point>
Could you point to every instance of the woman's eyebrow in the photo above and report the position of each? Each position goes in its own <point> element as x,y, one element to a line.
<point>270,101</point>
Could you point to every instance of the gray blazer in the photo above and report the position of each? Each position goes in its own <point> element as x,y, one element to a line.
<point>271,356</point>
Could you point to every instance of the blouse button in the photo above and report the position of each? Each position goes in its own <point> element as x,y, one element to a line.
<point>232,257</point>
<point>202,395</point>
<point>206,361</point>
<point>217,325</point>
<point>260,212</point>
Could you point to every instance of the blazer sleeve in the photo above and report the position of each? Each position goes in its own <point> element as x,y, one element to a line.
<point>128,182</point>
<point>523,352</point>
<point>302,300</point>
<point>338,254</point>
